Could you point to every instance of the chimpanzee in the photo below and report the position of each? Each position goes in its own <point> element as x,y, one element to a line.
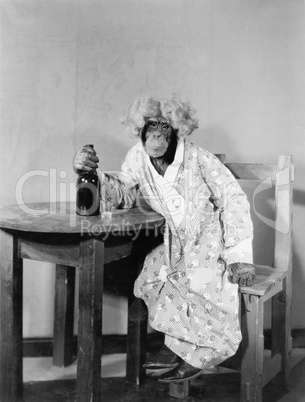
<point>190,282</point>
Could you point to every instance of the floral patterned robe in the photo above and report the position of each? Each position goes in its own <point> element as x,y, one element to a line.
<point>184,282</point>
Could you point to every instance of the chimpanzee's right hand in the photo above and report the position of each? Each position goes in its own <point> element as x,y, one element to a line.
<point>85,160</point>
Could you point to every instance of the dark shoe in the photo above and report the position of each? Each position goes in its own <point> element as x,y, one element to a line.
<point>182,372</point>
<point>164,359</point>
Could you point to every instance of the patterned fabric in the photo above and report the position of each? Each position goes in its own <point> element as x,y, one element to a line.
<point>185,282</point>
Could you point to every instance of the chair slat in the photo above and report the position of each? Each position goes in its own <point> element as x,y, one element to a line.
<point>284,201</point>
<point>251,171</point>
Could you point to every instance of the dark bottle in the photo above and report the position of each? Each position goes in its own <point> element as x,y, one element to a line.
<point>88,193</point>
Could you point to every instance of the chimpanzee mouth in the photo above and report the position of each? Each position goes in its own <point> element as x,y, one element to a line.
<point>153,148</point>
<point>156,152</point>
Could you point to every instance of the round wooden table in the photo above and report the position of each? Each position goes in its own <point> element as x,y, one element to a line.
<point>54,233</point>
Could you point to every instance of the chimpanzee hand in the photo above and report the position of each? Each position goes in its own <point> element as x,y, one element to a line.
<point>242,273</point>
<point>85,160</point>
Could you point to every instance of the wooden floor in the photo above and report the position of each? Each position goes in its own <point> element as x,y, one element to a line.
<point>222,387</point>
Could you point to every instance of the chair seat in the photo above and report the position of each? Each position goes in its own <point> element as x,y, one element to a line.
<point>266,279</point>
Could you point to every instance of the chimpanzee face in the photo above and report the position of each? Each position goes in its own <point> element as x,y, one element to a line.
<point>157,137</point>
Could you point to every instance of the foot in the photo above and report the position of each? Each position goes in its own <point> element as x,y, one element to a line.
<point>182,372</point>
<point>164,359</point>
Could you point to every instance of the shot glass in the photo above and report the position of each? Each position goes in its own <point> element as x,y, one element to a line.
<point>106,209</point>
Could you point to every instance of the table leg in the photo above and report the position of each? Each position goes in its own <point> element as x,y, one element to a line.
<point>63,315</point>
<point>91,266</point>
<point>137,317</point>
<point>10,319</point>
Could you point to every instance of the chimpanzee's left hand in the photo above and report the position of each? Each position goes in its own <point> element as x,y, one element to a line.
<point>242,273</point>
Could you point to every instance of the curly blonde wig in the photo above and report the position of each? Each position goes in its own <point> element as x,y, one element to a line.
<point>175,109</point>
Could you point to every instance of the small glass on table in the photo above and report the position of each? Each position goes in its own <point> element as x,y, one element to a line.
<point>106,209</point>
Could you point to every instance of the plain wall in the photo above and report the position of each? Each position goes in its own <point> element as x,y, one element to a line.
<point>69,69</point>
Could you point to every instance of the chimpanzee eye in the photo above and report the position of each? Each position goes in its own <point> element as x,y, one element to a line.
<point>152,124</point>
<point>165,126</point>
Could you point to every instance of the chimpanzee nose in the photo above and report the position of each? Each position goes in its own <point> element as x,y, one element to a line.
<point>156,135</point>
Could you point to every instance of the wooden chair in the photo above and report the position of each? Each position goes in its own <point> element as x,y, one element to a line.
<point>272,282</point>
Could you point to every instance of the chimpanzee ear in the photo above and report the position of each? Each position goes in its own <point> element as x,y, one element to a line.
<point>175,132</point>
<point>174,137</point>
<point>143,133</point>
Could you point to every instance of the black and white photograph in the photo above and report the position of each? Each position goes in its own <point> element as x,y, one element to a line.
<point>152,202</point>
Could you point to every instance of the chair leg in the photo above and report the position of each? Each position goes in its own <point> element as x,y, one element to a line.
<point>136,341</point>
<point>281,332</point>
<point>63,315</point>
<point>252,324</point>
<point>179,389</point>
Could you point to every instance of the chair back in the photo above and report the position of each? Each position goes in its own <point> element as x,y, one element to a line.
<point>264,179</point>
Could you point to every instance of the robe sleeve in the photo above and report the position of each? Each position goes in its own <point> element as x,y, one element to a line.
<point>120,187</point>
<point>234,210</point>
